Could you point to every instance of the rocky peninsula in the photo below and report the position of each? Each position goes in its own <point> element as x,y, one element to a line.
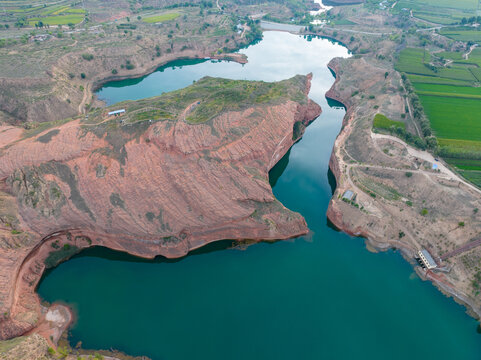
<point>169,175</point>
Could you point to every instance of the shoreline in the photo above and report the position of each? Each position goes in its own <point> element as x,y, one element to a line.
<point>25,299</point>
<point>371,239</point>
<point>96,84</point>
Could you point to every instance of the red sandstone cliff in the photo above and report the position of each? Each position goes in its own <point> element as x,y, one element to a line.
<point>146,187</point>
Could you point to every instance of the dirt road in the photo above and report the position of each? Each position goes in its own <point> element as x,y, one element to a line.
<point>424,155</point>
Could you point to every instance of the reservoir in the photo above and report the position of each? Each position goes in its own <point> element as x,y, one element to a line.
<point>323,296</point>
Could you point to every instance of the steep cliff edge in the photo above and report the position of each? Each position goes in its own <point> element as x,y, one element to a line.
<point>171,174</point>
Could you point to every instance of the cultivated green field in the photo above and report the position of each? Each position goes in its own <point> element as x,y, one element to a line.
<point>161,18</point>
<point>454,118</point>
<point>462,34</point>
<point>415,61</point>
<point>444,12</point>
<point>448,87</point>
<point>57,20</point>
<point>465,164</point>
<point>21,13</point>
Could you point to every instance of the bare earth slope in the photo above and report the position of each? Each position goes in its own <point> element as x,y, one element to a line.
<point>401,201</point>
<point>175,173</point>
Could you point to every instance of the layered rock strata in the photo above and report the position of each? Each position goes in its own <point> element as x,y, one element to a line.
<point>172,174</point>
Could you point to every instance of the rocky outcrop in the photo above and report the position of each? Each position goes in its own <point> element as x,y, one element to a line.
<point>173,174</point>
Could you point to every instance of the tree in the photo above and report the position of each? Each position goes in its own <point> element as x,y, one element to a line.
<point>82,75</point>
<point>386,74</point>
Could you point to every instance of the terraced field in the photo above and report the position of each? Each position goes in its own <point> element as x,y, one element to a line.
<point>439,11</point>
<point>56,13</point>
<point>161,18</point>
<point>448,86</point>
<point>464,33</point>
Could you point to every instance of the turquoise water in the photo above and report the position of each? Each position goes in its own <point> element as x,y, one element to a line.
<point>323,296</point>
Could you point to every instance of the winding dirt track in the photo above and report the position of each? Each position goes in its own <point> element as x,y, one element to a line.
<point>430,158</point>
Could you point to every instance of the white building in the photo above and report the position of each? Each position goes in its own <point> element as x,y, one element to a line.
<point>427,259</point>
<point>117,112</point>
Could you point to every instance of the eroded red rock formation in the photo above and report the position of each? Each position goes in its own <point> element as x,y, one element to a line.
<point>158,188</point>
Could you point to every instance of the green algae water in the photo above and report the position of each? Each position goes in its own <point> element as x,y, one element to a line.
<point>323,296</point>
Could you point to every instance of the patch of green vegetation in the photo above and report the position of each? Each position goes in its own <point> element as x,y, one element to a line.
<point>383,122</point>
<point>116,200</point>
<point>56,257</point>
<point>222,95</point>
<point>437,80</point>
<point>88,57</point>
<point>57,20</point>
<point>68,177</point>
<point>460,148</point>
<point>451,100</point>
<point>342,22</point>
<point>33,129</point>
<point>297,130</point>
<point>462,34</point>
<point>416,61</point>
<point>7,345</point>
<point>161,17</point>
<point>374,188</point>
<point>48,136</point>
<point>150,216</point>
<point>473,176</point>
<point>198,103</point>
<point>466,92</point>
<point>465,164</point>
<point>453,118</point>
<point>156,114</point>
<point>439,11</point>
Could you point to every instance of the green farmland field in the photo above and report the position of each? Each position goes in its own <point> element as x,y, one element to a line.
<point>416,61</point>
<point>462,35</point>
<point>448,90</point>
<point>437,80</point>
<point>465,164</point>
<point>59,13</point>
<point>439,11</point>
<point>161,18</point>
<point>464,5</point>
<point>58,20</point>
<point>451,98</point>
<point>453,118</point>
<point>473,176</point>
